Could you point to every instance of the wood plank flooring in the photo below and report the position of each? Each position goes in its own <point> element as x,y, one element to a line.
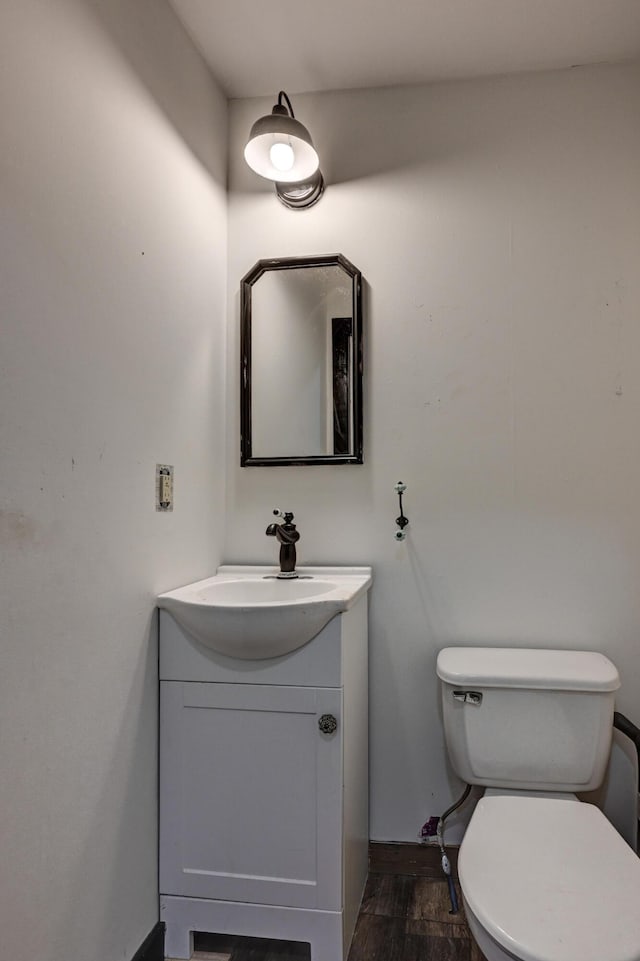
<point>404,916</point>
<point>216,947</point>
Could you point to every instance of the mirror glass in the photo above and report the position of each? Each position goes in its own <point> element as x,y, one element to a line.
<point>301,362</point>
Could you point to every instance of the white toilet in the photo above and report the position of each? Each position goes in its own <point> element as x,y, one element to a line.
<point>544,877</point>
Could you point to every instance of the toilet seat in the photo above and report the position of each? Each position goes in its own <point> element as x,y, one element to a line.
<point>549,879</point>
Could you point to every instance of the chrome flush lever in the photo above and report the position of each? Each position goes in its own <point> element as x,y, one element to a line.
<point>468,697</point>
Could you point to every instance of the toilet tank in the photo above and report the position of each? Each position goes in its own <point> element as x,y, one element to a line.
<point>528,719</point>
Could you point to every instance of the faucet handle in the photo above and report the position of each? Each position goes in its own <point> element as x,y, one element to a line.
<point>286,515</point>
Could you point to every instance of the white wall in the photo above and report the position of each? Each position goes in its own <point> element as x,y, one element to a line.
<point>112,329</point>
<point>496,225</point>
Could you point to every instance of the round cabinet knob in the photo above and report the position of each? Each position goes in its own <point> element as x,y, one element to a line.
<point>328,724</point>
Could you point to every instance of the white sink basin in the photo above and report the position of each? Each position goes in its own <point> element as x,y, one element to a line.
<point>247,612</point>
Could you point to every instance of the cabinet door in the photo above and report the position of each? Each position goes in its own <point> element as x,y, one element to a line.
<point>250,794</point>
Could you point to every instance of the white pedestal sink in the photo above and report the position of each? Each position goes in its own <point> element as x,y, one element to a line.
<point>249,613</point>
<point>263,757</point>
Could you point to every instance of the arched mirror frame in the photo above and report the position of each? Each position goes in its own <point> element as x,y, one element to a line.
<point>287,263</point>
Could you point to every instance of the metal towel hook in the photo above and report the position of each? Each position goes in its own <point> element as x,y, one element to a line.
<point>402,520</point>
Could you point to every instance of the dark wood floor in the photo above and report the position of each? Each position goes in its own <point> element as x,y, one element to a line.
<point>404,917</point>
<point>219,947</point>
<point>405,909</point>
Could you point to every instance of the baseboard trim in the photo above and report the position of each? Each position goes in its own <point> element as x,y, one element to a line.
<point>419,860</point>
<point>152,948</point>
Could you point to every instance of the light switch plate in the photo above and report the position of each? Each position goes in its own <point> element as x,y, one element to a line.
<point>164,487</point>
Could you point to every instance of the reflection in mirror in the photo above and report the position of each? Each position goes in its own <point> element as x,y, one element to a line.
<point>301,357</point>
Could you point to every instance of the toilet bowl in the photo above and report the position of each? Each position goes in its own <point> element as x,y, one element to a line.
<point>544,876</point>
<point>547,878</point>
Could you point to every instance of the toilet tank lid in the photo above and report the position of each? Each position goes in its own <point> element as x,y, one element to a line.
<point>527,668</point>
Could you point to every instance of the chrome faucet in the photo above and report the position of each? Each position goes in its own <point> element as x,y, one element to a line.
<point>287,535</point>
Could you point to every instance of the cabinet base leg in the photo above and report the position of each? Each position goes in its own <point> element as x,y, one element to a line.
<point>178,941</point>
<point>327,946</point>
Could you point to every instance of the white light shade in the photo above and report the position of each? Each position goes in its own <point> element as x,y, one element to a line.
<point>271,131</point>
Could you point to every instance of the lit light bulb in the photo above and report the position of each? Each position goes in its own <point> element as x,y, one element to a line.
<point>282,156</point>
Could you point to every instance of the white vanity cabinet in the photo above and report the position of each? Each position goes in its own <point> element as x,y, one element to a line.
<point>263,808</point>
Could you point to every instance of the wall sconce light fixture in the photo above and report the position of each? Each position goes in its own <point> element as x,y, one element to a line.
<point>280,148</point>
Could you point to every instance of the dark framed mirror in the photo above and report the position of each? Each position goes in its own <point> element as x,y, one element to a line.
<point>301,362</point>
